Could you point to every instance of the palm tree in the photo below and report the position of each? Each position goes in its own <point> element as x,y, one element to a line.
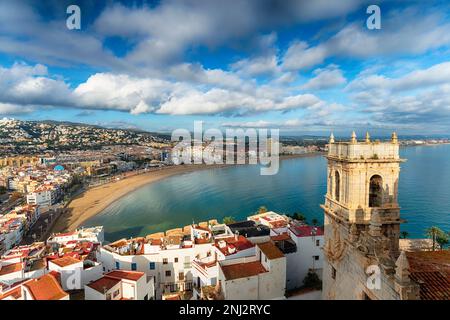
<point>433,233</point>
<point>404,234</point>
<point>315,222</point>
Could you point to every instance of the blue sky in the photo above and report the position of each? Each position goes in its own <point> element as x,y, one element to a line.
<point>305,67</point>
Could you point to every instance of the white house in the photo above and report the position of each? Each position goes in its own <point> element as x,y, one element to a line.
<point>74,272</point>
<point>259,277</point>
<point>11,272</point>
<point>308,255</point>
<point>45,287</point>
<point>121,285</point>
<point>90,234</point>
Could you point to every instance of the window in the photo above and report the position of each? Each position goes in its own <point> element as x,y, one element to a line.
<point>316,258</point>
<point>317,243</point>
<point>333,273</point>
<point>181,276</point>
<point>165,261</point>
<point>152,266</point>
<point>117,265</point>
<point>116,293</point>
<point>187,262</point>
<point>168,273</point>
<point>337,186</point>
<point>375,191</point>
<point>133,266</point>
<point>176,260</point>
<point>108,296</point>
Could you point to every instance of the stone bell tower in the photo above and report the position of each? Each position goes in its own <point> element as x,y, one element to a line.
<point>362,219</point>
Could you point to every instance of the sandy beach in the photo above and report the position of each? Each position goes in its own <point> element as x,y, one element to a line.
<point>94,200</point>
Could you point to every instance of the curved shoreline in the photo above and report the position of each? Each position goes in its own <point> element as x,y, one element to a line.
<point>96,199</point>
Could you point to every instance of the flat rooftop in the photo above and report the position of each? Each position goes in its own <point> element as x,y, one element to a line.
<point>242,270</point>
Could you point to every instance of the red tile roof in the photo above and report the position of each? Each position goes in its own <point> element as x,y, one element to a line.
<point>281,237</point>
<point>10,268</point>
<point>112,278</point>
<point>242,270</point>
<point>431,270</point>
<point>270,250</point>
<point>103,284</point>
<point>306,231</point>
<point>65,261</point>
<point>240,244</point>
<point>125,274</point>
<point>45,287</point>
<point>15,293</point>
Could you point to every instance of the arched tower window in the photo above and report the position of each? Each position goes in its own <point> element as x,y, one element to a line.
<point>337,186</point>
<point>375,191</point>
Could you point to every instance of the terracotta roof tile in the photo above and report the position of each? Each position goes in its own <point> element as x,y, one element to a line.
<point>10,268</point>
<point>125,274</point>
<point>45,287</point>
<point>65,261</point>
<point>242,270</point>
<point>103,284</point>
<point>15,293</point>
<point>431,270</point>
<point>270,250</point>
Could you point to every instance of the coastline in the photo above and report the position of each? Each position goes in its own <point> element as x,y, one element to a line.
<point>94,200</point>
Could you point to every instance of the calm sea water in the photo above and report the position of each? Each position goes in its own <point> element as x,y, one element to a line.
<point>300,186</point>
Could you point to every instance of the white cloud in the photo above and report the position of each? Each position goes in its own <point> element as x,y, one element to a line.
<point>407,31</point>
<point>21,85</point>
<point>418,79</point>
<point>300,56</point>
<point>265,65</point>
<point>14,109</point>
<point>325,78</point>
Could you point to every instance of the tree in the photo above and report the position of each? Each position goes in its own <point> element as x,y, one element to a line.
<point>404,234</point>
<point>298,216</point>
<point>315,222</point>
<point>434,233</point>
<point>262,209</point>
<point>442,240</point>
<point>228,220</point>
<point>312,280</point>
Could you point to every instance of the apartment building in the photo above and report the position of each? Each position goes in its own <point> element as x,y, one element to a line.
<point>166,257</point>
<point>11,232</point>
<point>44,196</point>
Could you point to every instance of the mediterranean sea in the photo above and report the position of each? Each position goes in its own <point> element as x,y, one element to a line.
<point>299,186</point>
